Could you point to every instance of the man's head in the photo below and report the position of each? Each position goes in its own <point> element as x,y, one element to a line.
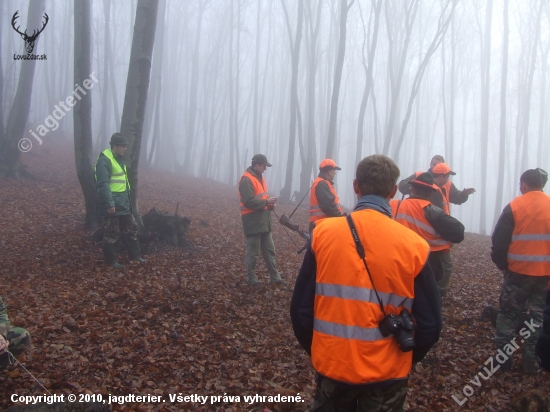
<point>260,163</point>
<point>441,173</point>
<point>533,180</point>
<point>119,144</point>
<point>329,167</point>
<point>436,160</point>
<point>423,185</point>
<point>376,175</point>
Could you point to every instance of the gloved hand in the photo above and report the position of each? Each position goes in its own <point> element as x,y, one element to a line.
<point>3,344</point>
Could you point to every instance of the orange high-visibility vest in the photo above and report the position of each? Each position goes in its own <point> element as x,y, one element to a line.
<point>411,214</point>
<point>347,344</point>
<point>260,192</point>
<point>529,252</point>
<point>315,212</point>
<point>445,197</point>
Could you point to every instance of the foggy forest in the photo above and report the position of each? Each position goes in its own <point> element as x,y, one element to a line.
<point>200,86</point>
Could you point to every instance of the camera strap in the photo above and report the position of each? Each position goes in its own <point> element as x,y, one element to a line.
<point>361,253</point>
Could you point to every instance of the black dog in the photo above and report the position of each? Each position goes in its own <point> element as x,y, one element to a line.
<point>491,313</point>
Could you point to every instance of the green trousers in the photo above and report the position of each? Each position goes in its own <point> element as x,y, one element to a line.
<point>518,293</point>
<point>446,269</point>
<point>255,243</point>
<point>331,397</point>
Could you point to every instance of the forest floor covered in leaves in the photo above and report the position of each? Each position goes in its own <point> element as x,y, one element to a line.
<point>186,322</point>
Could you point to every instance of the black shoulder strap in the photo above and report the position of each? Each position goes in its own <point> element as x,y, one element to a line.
<point>361,253</point>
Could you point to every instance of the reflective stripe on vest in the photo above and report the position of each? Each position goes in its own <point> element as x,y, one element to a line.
<point>315,212</point>
<point>347,345</point>
<point>411,215</point>
<point>529,251</point>
<point>119,179</point>
<point>260,192</point>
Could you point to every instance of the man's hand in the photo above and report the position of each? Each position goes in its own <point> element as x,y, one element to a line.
<point>111,210</point>
<point>3,344</point>
<point>469,191</point>
<point>271,201</point>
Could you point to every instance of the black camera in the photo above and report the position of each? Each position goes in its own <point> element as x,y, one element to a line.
<point>401,327</point>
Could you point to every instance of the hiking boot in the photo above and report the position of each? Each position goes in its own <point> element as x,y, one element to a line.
<point>529,366</point>
<point>252,282</point>
<point>138,259</point>
<point>109,255</point>
<point>134,252</point>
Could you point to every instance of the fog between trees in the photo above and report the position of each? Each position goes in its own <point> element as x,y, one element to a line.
<point>300,80</point>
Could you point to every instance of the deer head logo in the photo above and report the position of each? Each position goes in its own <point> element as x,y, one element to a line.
<point>29,40</point>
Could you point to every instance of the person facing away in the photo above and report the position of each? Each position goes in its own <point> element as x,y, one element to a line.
<point>521,250</point>
<point>256,207</point>
<point>429,221</point>
<point>323,200</point>
<point>446,194</point>
<point>115,203</point>
<point>342,301</point>
<point>542,348</point>
<point>13,340</point>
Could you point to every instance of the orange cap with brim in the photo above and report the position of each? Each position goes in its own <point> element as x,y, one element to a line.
<point>329,163</point>
<point>442,169</point>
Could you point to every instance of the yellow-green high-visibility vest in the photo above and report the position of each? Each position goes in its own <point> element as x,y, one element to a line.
<point>119,179</point>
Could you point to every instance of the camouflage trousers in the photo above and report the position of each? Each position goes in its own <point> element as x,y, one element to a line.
<point>20,341</point>
<point>332,397</point>
<point>520,292</point>
<point>117,224</point>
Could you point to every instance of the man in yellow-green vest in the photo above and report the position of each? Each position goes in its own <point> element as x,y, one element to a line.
<point>115,203</point>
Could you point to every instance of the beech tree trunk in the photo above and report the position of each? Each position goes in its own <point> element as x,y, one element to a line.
<point>19,113</point>
<point>137,87</point>
<point>82,111</point>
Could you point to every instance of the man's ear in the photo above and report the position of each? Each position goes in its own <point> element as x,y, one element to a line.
<point>393,192</point>
<point>355,186</point>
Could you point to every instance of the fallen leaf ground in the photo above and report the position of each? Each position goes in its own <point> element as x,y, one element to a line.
<point>185,322</point>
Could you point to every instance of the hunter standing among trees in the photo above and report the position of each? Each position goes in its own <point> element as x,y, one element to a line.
<point>115,203</point>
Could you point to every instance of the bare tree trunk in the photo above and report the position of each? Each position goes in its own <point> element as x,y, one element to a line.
<point>137,88</point>
<point>295,57</point>
<point>156,79</point>
<point>104,119</point>
<point>368,67</point>
<point>255,134</point>
<point>503,84</point>
<point>542,109</point>
<point>2,137</point>
<point>192,109</point>
<point>308,165</point>
<point>331,138</point>
<point>232,165</point>
<point>527,104</point>
<point>82,111</point>
<point>19,113</point>
<point>484,136</point>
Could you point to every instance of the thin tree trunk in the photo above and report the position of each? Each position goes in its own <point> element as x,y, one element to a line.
<point>368,77</point>
<point>484,136</point>
<point>137,88</point>
<point>295,57</point>
<point>502,145</point>
<point>331,138</point>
